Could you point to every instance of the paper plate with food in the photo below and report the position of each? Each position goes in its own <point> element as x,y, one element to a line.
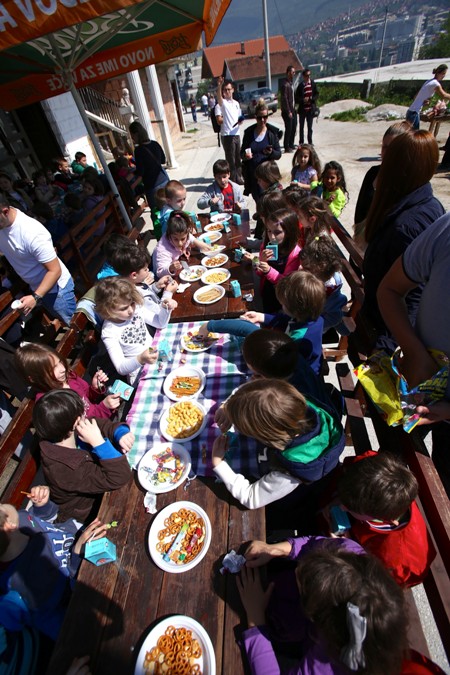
<point>214,227</point>
<point>212,236</point>
<point>220,218</point>
<point>179,537</point>
<point>191,342</point>
<point>164,467</point>
<point>216,276</point>
<point>215,249</point>
<point>183,421</point>
<point>215,261</point>
<point>172,636</point>
<point>184,383</point>
<point>193,273</point>
<point>208,295</point>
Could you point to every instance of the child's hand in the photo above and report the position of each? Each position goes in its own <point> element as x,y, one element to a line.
<point>253,597</point>
<point>203,331</point>
<point>171,285</point>
<point>219,449</point>
<point>162,283</point>
<point>263,267</point>
<point>96,530</point>
<point>253,317</point>
<point>222,420</point>
<point>266,254</point>
<point>237,208</point>
<point>150,278</point>
<point>170,303</point>
<point>175,267</point>
<point>40,494</point>
<point>126,442</point>
<point>214,200</point>
<point>204,248</point>
<point>331,198</point>
<point>88,431</point>
<point>247,256</point>
<point>99,380</point>
<point>148,356</point>
<point>112,401</point>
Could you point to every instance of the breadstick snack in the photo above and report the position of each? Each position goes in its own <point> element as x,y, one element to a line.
<point>210,295</point>
<point>185,386</point>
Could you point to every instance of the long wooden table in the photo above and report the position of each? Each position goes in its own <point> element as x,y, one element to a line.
<point>228,306</point>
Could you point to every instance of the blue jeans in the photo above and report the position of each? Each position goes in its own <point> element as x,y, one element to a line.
<point>62,303</point>
<point>238,327</point>
<point>414,118</point>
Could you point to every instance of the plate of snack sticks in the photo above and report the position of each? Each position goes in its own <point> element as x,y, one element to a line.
<point>164,467</point>
<point>184,383</point>
<point>179,537</point>
<point>177,644</point>
<point>207,295</point>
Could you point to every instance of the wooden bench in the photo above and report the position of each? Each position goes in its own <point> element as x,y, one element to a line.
<point>433,500</point>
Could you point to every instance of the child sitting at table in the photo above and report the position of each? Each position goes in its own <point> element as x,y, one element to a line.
<point>132,263</point>
<point>379,493</point>
<point>223,194</point>
<point>268,177</point>
<point>38,560</point>
<point>302,297</point>
<point>267,204</point>
<point>45,369</point>
<point>303,441</point>
<point>338,611</point>
<point>175,198</point>
<point>321,257</point>
<point>78,455</point>
<point>176,243</point>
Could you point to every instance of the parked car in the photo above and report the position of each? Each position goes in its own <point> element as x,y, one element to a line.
<point>249,99</point>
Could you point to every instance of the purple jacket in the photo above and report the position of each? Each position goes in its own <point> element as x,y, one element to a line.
<point>256,640</point>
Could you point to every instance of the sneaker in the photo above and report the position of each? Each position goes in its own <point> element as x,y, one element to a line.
<point>289,150</point>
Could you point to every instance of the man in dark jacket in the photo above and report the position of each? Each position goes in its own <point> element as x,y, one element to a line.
<point>288,110</point>
<point>306,96</point>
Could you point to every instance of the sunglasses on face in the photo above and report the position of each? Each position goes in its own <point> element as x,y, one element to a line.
<point>262,117</point>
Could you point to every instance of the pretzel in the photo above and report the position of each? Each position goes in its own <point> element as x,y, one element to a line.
<point>176,652</point>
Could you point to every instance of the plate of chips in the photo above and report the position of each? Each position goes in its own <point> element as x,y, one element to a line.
<point>171,636</point>
<point>194,273</point>
<point>179,537</point>
<point>164,467</point>
<point>184,383</point>
<point>214,227</point>
<point>216,276</point>
<point>191,342</point>
<point>215,261</point>
<point>183,421</point>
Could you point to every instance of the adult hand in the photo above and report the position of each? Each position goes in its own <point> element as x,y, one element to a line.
<point>126,442</point>
<point>438,412</point>
<point>222,420</point>
<point>79,667</point>
<point>219,449</point>
<point>148,356</point>
<point>96,530</point>
<point>99,380</point>
<point>88,431</point>
<point>40,494</point>
<point>28,304</point>
<point>253,597</point>
<point>253,317</point>
<point>112,401</point>
<point>418,368</point>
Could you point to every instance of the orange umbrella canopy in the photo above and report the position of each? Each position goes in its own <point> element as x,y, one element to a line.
<point>46,45</point>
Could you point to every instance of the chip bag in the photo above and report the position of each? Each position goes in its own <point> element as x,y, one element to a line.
<point>380,383</point>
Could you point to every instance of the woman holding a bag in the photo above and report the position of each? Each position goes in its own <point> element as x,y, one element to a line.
<point>149,157</point>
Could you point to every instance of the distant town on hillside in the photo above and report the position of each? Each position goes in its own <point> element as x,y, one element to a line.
<point>339,36</point>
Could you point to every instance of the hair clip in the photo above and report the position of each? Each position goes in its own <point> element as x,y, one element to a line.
<point>317,238</point>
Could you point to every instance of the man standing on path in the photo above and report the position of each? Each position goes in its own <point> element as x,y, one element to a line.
<point>306,96</point>
<point>205,104</point>
<point>288,110</point>
<point>28,247</point>
<point>193,104</point>
<point>229,116</point>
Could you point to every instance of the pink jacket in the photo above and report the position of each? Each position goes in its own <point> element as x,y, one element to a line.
<point>89,396</point>
<point>165,254</point>
<point>292,265</point>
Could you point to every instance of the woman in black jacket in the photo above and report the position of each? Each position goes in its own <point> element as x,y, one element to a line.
<point>149,157</point>
<point>258,145</point>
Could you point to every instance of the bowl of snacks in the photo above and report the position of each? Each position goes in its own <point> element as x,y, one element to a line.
<point>184,383</point>
<point>215,276</point>
<point>212,236</point>
<point>215,249</point>
<point>191,342</point>
<point>183,421</point>
<point>194,273</point>
<point>164,467</point>
<point>215,261</point>
<point>173,635</point>
<point>208,295</point>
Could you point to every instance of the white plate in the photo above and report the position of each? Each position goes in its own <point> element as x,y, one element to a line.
<point>187,338</point>
<point>214,227</point>
<point>221,257</point>
<point>158,525</point>
<point>217,249</point>
<point>209,273</point>
<point>212,236</point>
<point>148,461</point>
<point>163,422</point>
<point>220,217</point>
<point>183,371</point>
<point>207,660</point>
<point>200,292</point>
<point>196,270</point>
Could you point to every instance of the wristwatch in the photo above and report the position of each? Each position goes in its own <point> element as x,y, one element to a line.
<point>37,298</point>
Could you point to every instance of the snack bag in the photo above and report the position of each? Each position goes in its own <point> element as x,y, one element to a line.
<point>380,382</point>
<point>425,393</point>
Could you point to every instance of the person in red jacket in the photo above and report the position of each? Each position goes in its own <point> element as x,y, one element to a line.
<point>379,491</point>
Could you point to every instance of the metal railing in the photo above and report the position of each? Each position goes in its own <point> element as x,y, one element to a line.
<point>103,108</point>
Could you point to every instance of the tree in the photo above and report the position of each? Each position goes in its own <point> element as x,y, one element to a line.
<point>441,46</point>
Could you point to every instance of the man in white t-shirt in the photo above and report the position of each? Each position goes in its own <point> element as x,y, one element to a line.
<point>28,247</point>
<point>229,116</point>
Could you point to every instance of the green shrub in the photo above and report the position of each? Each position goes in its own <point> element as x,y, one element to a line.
<point>354,115</point>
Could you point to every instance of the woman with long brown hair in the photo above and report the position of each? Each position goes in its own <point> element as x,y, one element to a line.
<point>402,207</point>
